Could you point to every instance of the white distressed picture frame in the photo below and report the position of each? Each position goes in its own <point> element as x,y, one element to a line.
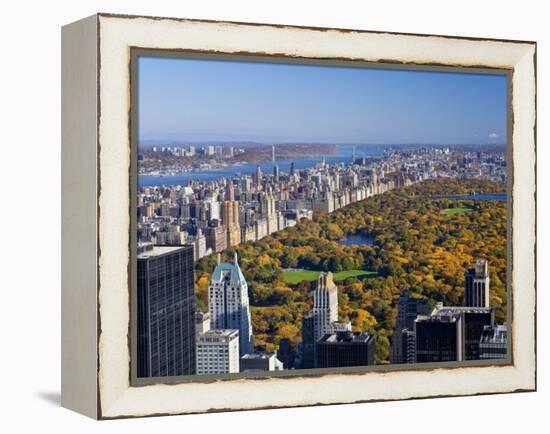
<point>96,218</point>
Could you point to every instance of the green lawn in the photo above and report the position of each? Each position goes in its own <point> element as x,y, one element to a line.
<point>294,277</point>
<point>453,211</point>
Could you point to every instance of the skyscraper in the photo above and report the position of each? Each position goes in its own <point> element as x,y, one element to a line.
<point>475,321</point>
<point>408,308</point>
<point>229,190</point>
<point>216,236</point>
<point>451,333</point>
<point>276,172</point>
<point>325,305</point>
<point>230,213</point>
<point>275,166</point>
<point>322,320</point>
<point>308,342</point>
<point>228,303</point>
<point>230,218</point>
<point>439,338</point>
<point>286,353</point>
<point>258,177</point>
<point>476,285</point>
<point>166,311</point>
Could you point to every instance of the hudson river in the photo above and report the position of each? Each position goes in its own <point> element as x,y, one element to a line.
<point>343,154</point>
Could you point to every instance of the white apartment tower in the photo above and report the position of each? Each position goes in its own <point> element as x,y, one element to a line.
<point>218,352</point>
<point>228,303</point>
<point>199,245</point>
<point>325,305</point>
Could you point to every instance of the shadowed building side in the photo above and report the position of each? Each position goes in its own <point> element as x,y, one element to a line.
<point>451,333</point>
<point>493,342</point>
<point>408,309</point>
<point>166,311</point>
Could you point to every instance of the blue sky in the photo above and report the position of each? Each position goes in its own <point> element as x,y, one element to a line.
<point>213,100</point>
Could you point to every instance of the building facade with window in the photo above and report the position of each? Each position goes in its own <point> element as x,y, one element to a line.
<point>342,349</point>
<point>451,333</point>
<point>408,309</point>
<point>476,284</point>
<point>494,342</point>
<point>228,303</point>
<point>218,352</point>
<point>165,311</point>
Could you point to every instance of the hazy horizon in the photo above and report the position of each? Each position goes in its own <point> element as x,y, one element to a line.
<point>202,101</point>
<point>182,142</point>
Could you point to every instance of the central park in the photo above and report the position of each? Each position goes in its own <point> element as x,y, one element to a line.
<point>420,241</point>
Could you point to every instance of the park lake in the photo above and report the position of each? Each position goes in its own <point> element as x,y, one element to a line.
<point>357,240</point>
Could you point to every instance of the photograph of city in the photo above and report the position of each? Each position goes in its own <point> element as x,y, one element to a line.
<point>298,216</point>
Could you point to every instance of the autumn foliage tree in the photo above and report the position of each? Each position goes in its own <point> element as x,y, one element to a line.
<point>416,247</point>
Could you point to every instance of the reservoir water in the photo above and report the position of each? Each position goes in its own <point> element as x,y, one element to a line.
<point>357,240</point>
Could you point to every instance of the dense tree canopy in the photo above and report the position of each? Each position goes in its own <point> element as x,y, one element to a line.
<point>416,247</point>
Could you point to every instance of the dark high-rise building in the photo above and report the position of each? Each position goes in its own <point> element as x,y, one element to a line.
<point>439,338</point>
<point>286,353</point>
<point>408,308</point>
<point>475,320</point>
<point>407,339</point>
<point>476,285</point>
<point>308,342</point>
<point>261,362</point>
<point>493,342</point>
<point>166,311</point>
<point>451,333</point>
<point>343,349</point>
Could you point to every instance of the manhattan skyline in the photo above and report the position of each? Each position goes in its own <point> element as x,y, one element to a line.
<point>331,247</point>
<point>215,100</point>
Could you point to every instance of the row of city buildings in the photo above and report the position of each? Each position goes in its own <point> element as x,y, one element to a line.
<point>192,150</point>
<point>175,338</point>
<point>450,333</point>
<point>178,225</point>
<point>422,335</point>
<point>216,214</point>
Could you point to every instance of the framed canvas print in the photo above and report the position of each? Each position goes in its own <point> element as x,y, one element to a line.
<point>260,216</point>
